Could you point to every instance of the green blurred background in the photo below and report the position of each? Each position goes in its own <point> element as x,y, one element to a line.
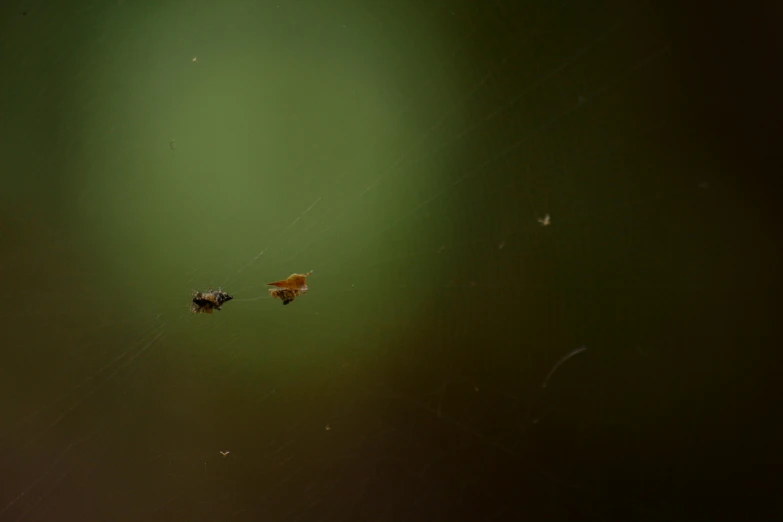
<point>404,152</point>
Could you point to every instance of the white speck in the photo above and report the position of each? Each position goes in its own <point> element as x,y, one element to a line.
<point>545,221</point>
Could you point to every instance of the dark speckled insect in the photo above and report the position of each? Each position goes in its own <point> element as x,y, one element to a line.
<point>208,302</point>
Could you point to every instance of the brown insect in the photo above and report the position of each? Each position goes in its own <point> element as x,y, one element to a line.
<point>289,289</point>
<point>208,302</point>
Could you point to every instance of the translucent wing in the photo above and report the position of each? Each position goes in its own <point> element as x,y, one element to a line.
<point>293,282</point>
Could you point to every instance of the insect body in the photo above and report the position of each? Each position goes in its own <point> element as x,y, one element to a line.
<point>289,289</point>
<point>285,294</point>
<point>207,302</point>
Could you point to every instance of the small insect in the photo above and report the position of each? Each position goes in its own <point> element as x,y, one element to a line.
<point>284,294</point>
<point>194,59</point>
<point>207,302</point>
<point>289,289</point>
<point>225,453</point>
<point>545,221</point>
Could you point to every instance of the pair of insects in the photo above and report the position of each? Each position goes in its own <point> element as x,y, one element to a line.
<point>286,290</point>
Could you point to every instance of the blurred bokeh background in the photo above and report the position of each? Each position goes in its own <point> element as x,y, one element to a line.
<point>404,151</point>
